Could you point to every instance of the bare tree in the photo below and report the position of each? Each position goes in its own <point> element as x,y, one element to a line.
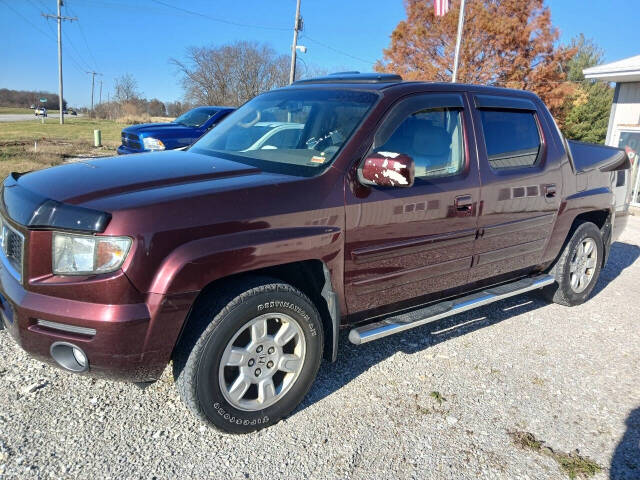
<point>126,88</point>
<point>177,108</point>
<point>231,74</point>
<point>156,108</point>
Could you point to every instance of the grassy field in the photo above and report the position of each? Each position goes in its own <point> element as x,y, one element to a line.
<point>33,145</point>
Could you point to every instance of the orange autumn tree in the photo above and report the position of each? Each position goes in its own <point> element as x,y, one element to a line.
<point>509,43</point>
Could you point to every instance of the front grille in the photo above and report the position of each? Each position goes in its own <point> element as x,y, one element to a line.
<point>131,140</point>
<point>12,248</point>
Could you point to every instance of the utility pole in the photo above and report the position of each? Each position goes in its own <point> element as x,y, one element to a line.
<point>60,18</point>
<point>93,80</point>
<point>296,27</point>
<point>100,102</point>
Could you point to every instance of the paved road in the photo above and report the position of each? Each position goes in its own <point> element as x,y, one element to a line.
<point>23,117</point>
<point>570,376</point>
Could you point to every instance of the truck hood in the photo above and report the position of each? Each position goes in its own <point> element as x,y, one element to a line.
<point>160,129</point>
<point>110,184</point>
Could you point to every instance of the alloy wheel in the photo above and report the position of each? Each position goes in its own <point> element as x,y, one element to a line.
<point>262,361</point>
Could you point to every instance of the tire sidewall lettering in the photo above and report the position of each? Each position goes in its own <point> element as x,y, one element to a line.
<point>236,419</point>
<point>264,307</point>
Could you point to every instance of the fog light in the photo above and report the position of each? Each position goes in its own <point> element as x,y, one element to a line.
<point>69,356</point>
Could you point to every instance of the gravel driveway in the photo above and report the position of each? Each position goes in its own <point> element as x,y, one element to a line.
<point>437,402</point>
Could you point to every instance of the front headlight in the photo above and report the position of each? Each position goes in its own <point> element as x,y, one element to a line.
<point>88,255</point>
<point>151,143</point>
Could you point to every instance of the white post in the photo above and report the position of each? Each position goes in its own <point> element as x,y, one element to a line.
<point>458,41</point>
<point>60,63</point>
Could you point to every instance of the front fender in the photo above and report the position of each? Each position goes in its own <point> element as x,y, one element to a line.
<point>194,265</point>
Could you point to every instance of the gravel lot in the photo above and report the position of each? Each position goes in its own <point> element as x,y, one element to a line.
<point>569,376</point>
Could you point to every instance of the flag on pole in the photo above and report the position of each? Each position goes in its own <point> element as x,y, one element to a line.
<point>441,7</point>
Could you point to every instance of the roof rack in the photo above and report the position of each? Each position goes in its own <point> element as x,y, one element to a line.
<point>354,77</point>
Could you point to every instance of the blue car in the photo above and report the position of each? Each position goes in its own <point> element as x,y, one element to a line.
<point>182,132</point>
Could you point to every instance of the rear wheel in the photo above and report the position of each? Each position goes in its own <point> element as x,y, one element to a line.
<point>250,356</point>
<point>578,268</point>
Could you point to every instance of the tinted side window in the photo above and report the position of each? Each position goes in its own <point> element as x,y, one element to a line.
<point>512,138</point>
<point>433,138</point>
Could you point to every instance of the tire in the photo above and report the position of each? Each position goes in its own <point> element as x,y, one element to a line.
<point>223,324</point>
<point>566,291</point>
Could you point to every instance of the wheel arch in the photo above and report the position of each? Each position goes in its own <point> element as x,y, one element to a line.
<point>601,218</point>
<point>311,277</point>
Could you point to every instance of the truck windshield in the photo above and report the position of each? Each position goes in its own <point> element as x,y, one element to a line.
<point>297,132</point>
<point>195,118</point>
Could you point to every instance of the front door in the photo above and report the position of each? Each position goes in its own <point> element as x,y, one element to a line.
<point>404,244</point>
<point>521,187</point>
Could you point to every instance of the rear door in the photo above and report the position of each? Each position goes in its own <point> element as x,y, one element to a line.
<point>520,187</point>
<point>405,243</point>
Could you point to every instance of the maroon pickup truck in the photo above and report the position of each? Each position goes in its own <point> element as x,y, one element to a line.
<point>352,201</point>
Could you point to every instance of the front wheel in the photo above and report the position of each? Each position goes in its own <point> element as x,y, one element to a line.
<point>249,357</point>
<point>578,268</point>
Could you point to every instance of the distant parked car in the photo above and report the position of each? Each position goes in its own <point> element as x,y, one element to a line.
<point>32,107</point>
<point>182,132</point>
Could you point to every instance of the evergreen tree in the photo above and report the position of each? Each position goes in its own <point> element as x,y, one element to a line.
<point>587,109</point>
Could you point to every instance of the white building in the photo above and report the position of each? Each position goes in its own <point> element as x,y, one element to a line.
<point>624,121</point>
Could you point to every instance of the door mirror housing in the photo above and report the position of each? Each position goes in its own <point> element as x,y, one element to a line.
<point>387,169</point>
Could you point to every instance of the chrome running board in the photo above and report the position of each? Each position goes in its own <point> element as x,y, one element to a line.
<point>422,316</point>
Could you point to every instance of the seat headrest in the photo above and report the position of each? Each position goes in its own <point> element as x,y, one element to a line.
<point>431,141</point>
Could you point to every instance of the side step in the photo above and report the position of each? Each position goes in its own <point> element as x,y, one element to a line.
<point>422,316</point>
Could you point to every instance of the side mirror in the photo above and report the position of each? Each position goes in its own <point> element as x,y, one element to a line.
<point>387,169</point>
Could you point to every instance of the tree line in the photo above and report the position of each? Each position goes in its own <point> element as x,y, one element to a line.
<point>26,98</point>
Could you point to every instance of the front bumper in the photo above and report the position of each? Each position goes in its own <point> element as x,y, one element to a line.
<point>132,342</point>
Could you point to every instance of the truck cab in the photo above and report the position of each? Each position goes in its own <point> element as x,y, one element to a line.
<point>352,201</point>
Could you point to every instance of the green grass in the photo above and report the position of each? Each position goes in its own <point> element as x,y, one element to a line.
<point>437,396</point>
<point>573,464</point>
<point>55,142</point>
<point>73,129</point>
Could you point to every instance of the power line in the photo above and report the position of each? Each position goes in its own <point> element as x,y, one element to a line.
<point>341,52</point>
<point>95,64</point>
<point>82,60</point>
<point>27,20</point>
<point>39,30</point>
<point>220,20</point>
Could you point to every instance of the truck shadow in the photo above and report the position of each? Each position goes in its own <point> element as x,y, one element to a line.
<point>625,464</point>
<point>354,360</point>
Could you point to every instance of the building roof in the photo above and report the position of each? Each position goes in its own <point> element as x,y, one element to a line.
<point>625,70</point>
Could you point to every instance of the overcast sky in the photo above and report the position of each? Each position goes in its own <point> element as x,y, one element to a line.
<point>139,36</point>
